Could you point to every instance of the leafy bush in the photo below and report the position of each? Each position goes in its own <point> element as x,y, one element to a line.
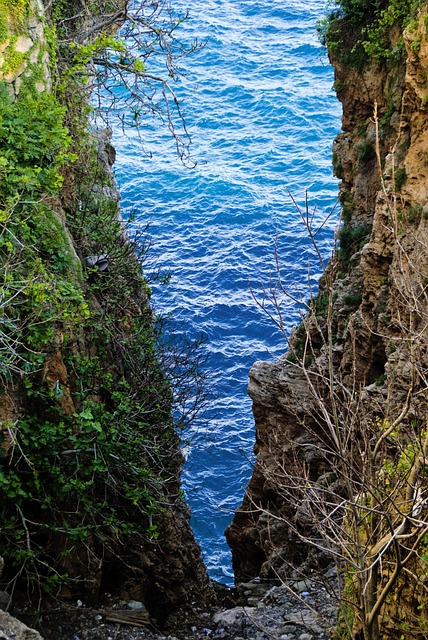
<point>33,144</point>
<point>12,13</point>
<point>400,177</point>
<point>366,152</point>
<point>100,449</point>
<point>358,31</point>
<point>351,239</point>
<point>91,457</point>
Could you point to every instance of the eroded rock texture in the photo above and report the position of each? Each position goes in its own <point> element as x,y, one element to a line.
<point>366,348</point>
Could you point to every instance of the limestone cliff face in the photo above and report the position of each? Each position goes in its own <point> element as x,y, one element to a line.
<point>90,466</point>
<point>369,341</point>
<point>23,46</point>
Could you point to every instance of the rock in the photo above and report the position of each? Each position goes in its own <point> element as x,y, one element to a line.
<point>100,261</point>
<point>4,600</point>
<point>135,605</point>
<point>228,617</point>
<point>302,586</point>
<point>9,626</point>
<point>378,335</point>
<point>13,629</point>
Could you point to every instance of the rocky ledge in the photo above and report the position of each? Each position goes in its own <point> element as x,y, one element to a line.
<point>299,610</point>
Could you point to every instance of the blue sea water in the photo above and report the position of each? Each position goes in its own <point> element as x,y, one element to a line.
<point>262,116</point>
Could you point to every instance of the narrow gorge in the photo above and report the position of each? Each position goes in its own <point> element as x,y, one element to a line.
<point>92,507</point>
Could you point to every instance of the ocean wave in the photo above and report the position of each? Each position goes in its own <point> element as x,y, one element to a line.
<point>262,117</point>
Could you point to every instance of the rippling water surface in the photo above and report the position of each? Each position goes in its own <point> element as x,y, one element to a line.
<point>262,117</point>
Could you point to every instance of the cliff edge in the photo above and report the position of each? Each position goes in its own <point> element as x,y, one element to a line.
<point>339,482</point>
<point>91,462</point>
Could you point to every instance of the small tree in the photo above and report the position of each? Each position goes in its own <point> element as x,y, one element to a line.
<point>126,55</point>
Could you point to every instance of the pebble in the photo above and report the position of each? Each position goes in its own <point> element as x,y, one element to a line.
<point>135,605</point>
<point>277,613</point>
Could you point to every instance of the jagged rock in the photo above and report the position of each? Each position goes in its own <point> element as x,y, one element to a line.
<point>13,629</point>
<point>377,350</point>
<point>100,262</point>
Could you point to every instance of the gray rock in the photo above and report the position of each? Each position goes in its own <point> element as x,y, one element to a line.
<point>11,628</point>
<point>101,261</point>
<point>228,617</point>
<point>302,585</point>
<point>135,605</point>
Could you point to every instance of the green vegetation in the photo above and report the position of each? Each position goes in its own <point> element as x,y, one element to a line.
<point>90,450</point>
<point>337,166</point>
<point>357,32</point>
<point>351,240</point>
<point>12,14</point>
<point>400,177</point>
<point>353,300</point>
<point>319,304</point>
<point>34,145</point>
<point>366,152</point>
<point>346,200</point>
<point>37,256</point>
<point>299,345</point>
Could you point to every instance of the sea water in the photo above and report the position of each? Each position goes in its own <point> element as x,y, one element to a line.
<point>260,110</point>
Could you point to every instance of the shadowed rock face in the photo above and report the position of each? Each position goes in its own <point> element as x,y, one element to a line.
<point>370,315</point>
<point>165,570</point>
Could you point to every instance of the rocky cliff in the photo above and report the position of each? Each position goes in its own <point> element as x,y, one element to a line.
<point>90,467</point>
<point>340,474</point>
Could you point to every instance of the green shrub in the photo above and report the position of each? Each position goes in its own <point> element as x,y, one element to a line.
<point>33,143</point>
<point>400,177</point>
<point>351,240</point>
<point>414,213</point>
<point>357,31</point>
<point>353,300</point>
<point>12,13</point>
<point>337,167</point>
<point>380,381</point>
<point>366,152</point>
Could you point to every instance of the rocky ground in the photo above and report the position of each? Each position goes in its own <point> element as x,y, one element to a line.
<point>300,610</point>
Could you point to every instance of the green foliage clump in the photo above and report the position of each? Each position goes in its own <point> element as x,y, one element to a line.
<point>299,344</point>
<point>12,14</point>
<point>346,200</point>
<point>33,144</point>
<point>320,304</point>
<point>337,166</point>
<point>400,177</point>
<point>86,478</point>
<point>358,31</point>
<point>353,299</point>
<point>366,152</point>
<point>40,274</point>
<point>14,59</point>
<point>351,240</point>
<point>100,447</point>
<point>91,457</point>
<point>414,213</point>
